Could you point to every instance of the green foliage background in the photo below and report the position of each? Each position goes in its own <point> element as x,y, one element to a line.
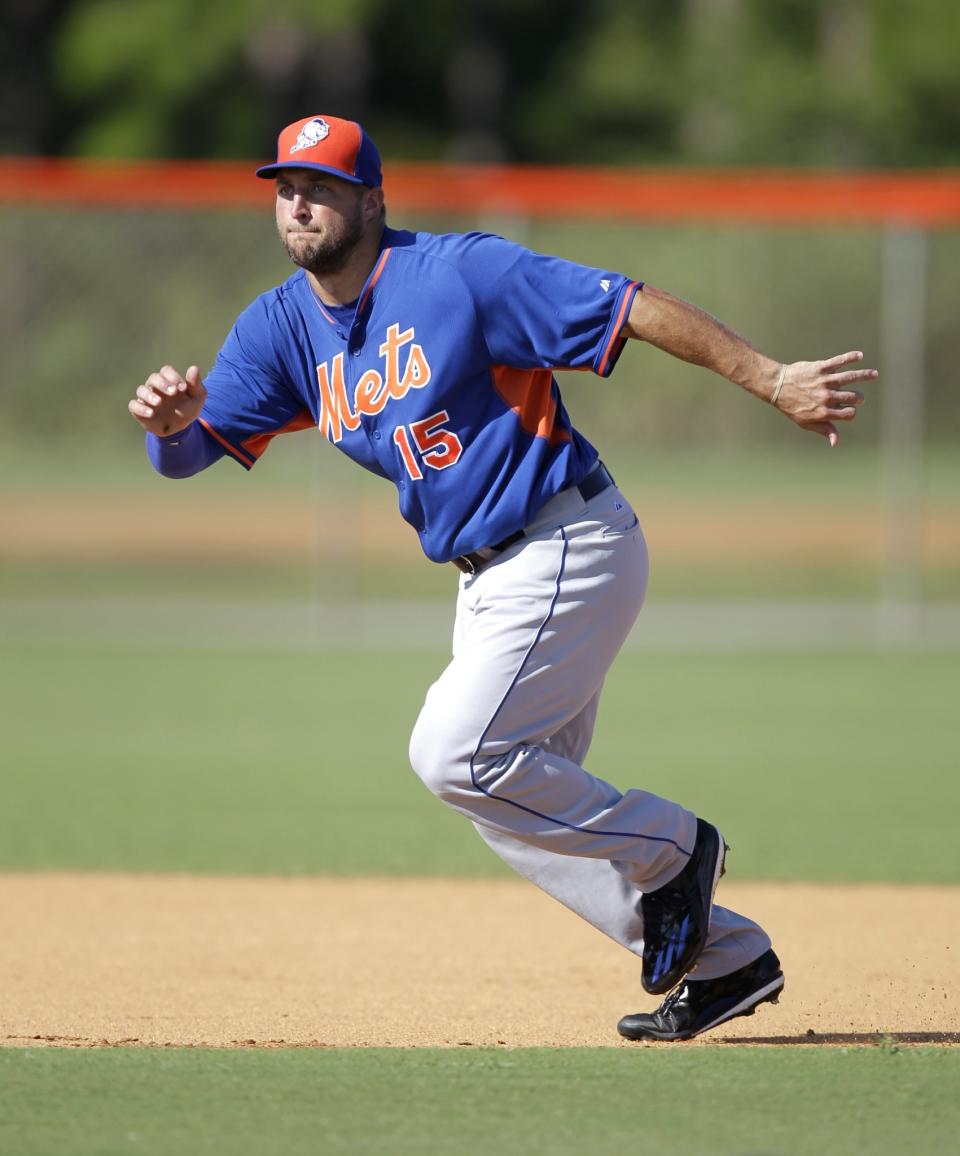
<point>834,82</point>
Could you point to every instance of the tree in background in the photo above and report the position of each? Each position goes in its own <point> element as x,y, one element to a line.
<point>833,82</point>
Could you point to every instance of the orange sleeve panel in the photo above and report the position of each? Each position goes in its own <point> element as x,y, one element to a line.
<point>231,449</point>
<point>530,394</point>
<point>252,447</point>
<point>256,444</point>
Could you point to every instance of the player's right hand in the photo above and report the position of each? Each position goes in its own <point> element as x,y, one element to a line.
<point>816,394</point>
<point>168,402</point>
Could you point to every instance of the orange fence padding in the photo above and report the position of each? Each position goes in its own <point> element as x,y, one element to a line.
<point>928,199</point>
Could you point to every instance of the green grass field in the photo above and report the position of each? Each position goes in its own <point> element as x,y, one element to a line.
<point>131,750</point>
<point>876,1101</point>
<point>819,766</point>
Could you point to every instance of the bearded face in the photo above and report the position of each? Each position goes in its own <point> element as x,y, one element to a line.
<point>320,220</point>
<point>324,248</point>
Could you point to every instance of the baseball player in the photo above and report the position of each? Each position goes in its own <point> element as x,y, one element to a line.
<point>430,360</point>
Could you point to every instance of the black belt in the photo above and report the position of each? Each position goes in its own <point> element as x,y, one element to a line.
<point>594,483</point>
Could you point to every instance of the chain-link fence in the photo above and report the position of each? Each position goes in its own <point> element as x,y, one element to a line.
<point>94,299</point>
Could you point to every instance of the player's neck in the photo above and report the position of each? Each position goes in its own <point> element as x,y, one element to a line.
<point>345,286</point>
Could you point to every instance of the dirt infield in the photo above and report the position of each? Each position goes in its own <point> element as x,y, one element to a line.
<point>105,960</point>
<point>120,527</point>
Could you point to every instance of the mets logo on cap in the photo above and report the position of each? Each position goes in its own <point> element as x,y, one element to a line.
<point>328,144</point>
<point>312,133</point>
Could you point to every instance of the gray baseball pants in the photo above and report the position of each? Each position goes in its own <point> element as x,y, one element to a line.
<point>504,731</point>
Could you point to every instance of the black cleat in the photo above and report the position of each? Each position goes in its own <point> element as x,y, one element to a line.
<point>698,1005</point>
<point>676,917</point>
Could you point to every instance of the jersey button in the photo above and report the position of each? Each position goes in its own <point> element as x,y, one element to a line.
<point>355,352</point>
<point>376,435</point>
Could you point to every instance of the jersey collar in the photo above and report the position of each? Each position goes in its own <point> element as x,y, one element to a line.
<point>366,295</point>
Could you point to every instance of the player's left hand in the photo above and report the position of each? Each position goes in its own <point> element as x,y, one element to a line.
<point>168,401</point>
<point>815,394</point>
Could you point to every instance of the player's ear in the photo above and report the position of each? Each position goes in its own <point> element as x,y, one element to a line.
<point>372,204</point>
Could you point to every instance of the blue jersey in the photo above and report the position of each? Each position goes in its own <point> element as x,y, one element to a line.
<point>443,382</point>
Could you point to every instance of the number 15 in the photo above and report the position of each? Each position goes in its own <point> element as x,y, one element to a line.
<point>439,447</point>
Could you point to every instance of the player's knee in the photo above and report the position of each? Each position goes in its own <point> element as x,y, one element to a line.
<point>440,757</point>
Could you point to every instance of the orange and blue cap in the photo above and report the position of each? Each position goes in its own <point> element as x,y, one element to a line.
<point>329,145</point>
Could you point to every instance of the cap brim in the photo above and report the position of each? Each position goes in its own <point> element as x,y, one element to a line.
<point>267,171</point>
